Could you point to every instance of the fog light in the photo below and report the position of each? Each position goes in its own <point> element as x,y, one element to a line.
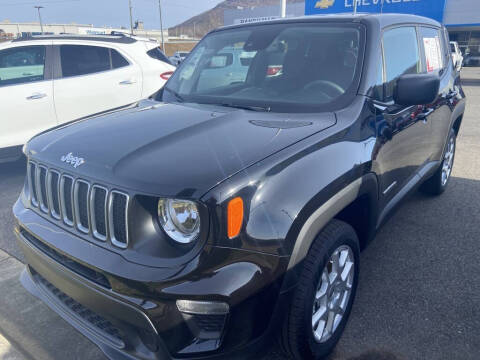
<point>202,307</point>
<point>206,321</point>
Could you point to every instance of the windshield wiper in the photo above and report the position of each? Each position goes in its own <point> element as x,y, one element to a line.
<point>247,107</point>
<point>176,94</point>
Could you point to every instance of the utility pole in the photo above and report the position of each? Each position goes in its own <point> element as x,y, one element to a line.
<point>194,30</point>
<point>283,8</point>
<point>131,21</point>
<point>355,7</point>
<point>161,24</point>
<point>39,16</point>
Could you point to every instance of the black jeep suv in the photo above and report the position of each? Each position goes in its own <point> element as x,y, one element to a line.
<point>235,206</point>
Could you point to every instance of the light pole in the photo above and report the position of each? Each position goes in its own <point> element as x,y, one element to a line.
<point>283,8</point>
<point>131,21</point>
<point>161,23</point>
<point>40,17</point>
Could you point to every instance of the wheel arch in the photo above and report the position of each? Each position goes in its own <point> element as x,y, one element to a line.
<point>457,116</point>
<point>359,195</point>
<point>457,123</point>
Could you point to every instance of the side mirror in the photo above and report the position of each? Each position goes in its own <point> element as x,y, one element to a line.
<point>416,89</point>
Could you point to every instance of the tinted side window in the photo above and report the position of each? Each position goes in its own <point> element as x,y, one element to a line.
<point>118,60</point>
<point>433,49</point>
<point>22,65</point>
<point>157,53</point>
<point>82,60</point>
<point>400,49</point>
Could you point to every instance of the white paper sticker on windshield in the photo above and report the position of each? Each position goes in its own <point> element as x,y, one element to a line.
<point>432,53</point>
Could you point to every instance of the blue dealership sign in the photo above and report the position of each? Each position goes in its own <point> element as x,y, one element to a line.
<point>428,8</point>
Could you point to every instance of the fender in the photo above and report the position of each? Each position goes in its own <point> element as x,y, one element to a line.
<point>281,191</point>
<point>458,111</point>
<point>318,219</point>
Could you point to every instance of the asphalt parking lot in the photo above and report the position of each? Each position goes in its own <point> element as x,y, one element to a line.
<point>419,292</point>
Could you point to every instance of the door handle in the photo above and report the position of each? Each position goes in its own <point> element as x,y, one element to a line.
<point>36,96</point>
<point>128,82</point>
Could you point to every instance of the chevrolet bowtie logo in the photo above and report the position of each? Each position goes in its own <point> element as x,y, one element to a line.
<point>324,4</point>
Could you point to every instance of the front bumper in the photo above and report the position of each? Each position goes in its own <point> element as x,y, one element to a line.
<point>130,311</point>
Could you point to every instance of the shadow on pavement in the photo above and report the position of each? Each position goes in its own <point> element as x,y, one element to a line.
<point>375,355</point>
<point>12,176</point>
<point>14,168</point>
<point>32,328</point>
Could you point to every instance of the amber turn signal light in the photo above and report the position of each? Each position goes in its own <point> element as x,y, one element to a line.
<point>234,217</point>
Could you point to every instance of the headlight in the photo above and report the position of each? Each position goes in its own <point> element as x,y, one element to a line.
<point>180,219</point>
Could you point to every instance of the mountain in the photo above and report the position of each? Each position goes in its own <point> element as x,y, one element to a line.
<point>201,24</point>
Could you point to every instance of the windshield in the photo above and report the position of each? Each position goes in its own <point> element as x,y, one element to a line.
<point>296,67</point>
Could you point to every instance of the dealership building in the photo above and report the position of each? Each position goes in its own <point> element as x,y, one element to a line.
<point>461,17</point>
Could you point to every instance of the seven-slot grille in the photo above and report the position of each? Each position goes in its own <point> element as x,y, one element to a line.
<point>91,209</point>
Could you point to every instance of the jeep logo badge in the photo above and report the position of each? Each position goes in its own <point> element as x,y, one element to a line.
<point>73,160</point>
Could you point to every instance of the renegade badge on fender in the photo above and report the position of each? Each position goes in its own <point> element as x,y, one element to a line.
<point>235,206</point>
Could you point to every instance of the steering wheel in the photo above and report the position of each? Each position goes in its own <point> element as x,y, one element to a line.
<point>328,87</point>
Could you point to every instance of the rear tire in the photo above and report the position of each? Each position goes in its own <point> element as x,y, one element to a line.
<point>437,184</point>
<point>324,295</point>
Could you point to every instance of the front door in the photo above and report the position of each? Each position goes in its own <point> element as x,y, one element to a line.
<point>404,133</point>
<point>26,94</point>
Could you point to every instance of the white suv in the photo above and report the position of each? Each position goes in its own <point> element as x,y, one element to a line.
<point>178,57</point>
<point>456,55</point>
<point>49,80</point>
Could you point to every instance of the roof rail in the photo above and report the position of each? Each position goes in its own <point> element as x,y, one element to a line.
<point>114,37</point>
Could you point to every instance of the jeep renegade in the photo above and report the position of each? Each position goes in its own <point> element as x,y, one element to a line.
<point>234,207</point>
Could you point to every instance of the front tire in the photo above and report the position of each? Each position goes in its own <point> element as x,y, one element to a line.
<point>324,295</point>
<point>437,184</point>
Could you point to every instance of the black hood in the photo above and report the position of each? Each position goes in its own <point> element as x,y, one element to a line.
<point>172,149</point>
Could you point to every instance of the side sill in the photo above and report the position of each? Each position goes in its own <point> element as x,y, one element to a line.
<point>423,173</point>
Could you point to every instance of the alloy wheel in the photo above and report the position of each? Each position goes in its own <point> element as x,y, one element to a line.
<point>333,293</point>
<point>448,161</point>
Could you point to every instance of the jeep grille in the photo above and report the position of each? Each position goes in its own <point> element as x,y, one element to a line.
<point>91,209</point>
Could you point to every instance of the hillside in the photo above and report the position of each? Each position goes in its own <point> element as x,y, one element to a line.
<point>213,18</point>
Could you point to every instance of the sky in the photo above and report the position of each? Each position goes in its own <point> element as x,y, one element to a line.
<point>112,13</point>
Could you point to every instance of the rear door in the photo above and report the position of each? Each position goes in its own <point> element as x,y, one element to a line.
<point>436,56</point>
<point>26,93</point>
<point>92,80</point>
<point>404,138</point>
<point>156,69</point>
